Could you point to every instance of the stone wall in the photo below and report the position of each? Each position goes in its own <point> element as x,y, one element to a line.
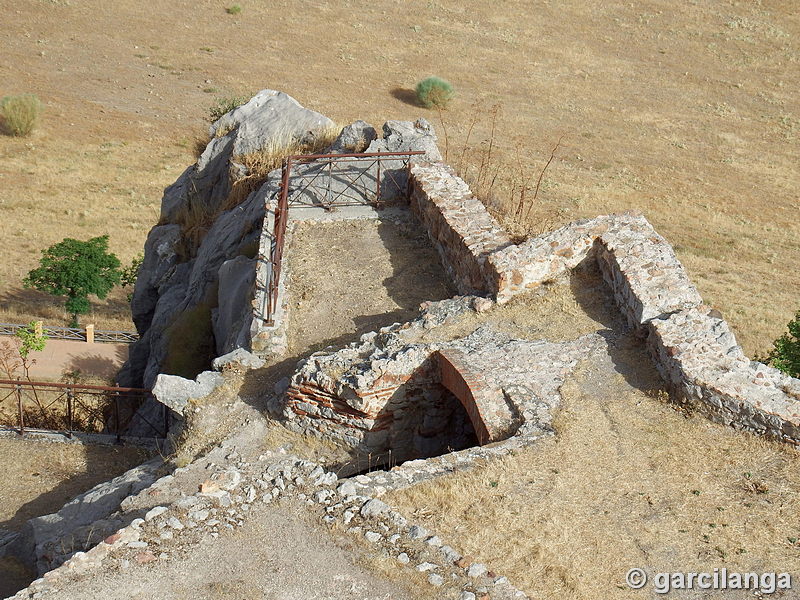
<point>393,395</point>
<point>459,226</point>
<point>693,347</point>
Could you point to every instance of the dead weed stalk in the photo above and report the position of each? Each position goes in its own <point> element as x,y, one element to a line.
<point>504,186</point>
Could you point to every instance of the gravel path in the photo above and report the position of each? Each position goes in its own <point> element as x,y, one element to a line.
<point>278,555</point>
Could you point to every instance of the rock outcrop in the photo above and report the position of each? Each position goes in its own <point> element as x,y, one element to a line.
<point>199,260</point>
<point>194,294</point>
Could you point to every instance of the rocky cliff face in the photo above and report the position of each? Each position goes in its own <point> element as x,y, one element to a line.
<point>190,303</point>
<point>193,296</point>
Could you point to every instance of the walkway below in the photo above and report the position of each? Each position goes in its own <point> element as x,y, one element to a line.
<point>59,356</point>
<point>277,555</point>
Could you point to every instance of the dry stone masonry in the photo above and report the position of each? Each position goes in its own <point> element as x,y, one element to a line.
<point>394,397</point>
<point>377,395</point>
<point>417,393</point>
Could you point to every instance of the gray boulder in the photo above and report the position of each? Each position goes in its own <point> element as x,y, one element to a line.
<point>197,280</point>
<point>404,136</point>
<point>179,282</point>
<point>270,116</point>
<point>239,357</point>
<point>356,137</point>
<point>175,392</point>
<point>232,318</point>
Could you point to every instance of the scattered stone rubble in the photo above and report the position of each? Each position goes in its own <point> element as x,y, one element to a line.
<point>170,520</point>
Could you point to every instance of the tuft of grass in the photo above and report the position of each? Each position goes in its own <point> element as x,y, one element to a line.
<point>233,9</point>
<point>260,164</point>
<point>20,113</point>
<point>434,92</point>
<point>196,217</point>
<point>225,105</point>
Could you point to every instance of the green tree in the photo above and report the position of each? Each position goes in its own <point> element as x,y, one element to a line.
<point>785,353</point>
<point>129,274</point>
<point>16,356</point>
<point>75,269</point>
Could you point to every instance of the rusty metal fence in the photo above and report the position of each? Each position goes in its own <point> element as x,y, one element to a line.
<point>72,333</point>
<point>68,408</point>
<point>329,181</point>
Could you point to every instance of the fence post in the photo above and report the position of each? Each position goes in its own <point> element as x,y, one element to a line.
<point>116,416</point>
<point>378,185</point>
<point>90,334</point>
<point>19,410</point>
<point>38,328</point>
<point>70,395</point>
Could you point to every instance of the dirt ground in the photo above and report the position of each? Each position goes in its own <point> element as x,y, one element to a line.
<point>687,112</point>
<point>382,271</point>
<point>97,363</point>
<point>253,563</point>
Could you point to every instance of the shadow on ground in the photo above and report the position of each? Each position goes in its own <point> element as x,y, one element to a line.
<point>406,95</point>
<point>625,346</point>
<point>349,278</point>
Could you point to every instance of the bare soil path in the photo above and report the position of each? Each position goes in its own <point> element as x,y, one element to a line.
<point>278,555</point>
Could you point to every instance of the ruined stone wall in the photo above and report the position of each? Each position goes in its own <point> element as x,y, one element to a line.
<point>459,226</point>
<point>692,346</point>
<point>399,410</point>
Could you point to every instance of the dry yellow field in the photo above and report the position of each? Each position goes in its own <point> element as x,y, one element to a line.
<point>688,112</point>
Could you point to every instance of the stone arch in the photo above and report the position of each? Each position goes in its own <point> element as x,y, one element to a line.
<point>485,404</point>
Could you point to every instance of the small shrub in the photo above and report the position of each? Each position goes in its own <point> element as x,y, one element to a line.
<point>785,353</point>
<point>234,9</point>
<point>20,114</point>
<point>225,105</point>
<point>434,92</point>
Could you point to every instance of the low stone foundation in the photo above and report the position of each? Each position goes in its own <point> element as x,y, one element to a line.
<point>393,397</point>
<point>459,226</point>
<point>363,395</point>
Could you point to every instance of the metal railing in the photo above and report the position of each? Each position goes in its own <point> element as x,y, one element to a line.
<point>69,408</point>
<point>72,333</point>
<point>330,181</point>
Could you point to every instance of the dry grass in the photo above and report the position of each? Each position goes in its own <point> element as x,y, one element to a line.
<point>196,218</point>
<point>260,164</point>
<point>687,113</point>
<point>19,115</point>
<point>558,311</point>
<point>627,482</point>
<point>65,187</point>
<point>39,477</point>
